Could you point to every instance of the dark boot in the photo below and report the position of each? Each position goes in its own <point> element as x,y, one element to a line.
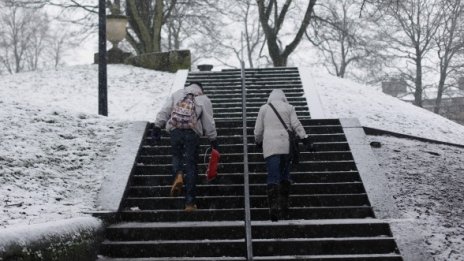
<point>283,200</point>
<point>273,200</point>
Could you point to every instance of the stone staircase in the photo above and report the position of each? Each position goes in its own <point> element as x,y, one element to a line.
<point>331,215</point>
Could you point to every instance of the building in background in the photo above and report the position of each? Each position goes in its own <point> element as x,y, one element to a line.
<point>452,104</point>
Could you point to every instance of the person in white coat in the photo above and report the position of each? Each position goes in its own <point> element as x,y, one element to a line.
<point>271,135</point>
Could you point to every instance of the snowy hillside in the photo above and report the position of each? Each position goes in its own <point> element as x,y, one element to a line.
<point>133,93</point>
<point>426,181</point>
<point>341,98</point>
<point>51,139</point>
<point>47,161</point>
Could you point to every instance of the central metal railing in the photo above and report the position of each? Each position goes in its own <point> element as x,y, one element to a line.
<point>246,180</point>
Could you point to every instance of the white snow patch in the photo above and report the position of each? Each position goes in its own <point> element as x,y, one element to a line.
<point>47,161</point>
<point>25,235</point>
<point>133,93</point>
<point>426,181</point>
<point>53,143</point>
<point>342,98</point>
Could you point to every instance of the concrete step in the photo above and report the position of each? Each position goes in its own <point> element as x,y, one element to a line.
<point>179,248</point>
<point>165,141</point>
<point>235,230</point>
<point>255,178</point>
<point>238,157</point>
<point>238,131</point>
<point>305,121</point>
<point>235,103</point>
<point>324,246</point>
<point>234,167</point>
<point>252,88</point>
<point>256,201</point>
<point>261,247</point>
<point>170,258</point>
<point>265,70</point>
<point>232,148</point>
<point>337,188</point>
<point>250,115</point>
<point>356,257</point>
<point>217,189</point>
<point>360,257</point>
<point>180,215</point>
<point>251,94</point>
<point>238,108</point>
<point>262,100</point>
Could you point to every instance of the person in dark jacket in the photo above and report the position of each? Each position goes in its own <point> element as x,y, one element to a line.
<point>185,137</point>
<point>273,137</point>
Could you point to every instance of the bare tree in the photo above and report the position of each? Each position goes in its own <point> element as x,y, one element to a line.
<point>272,19</point>
<point>449,42</point>
<point>194,24</point>
<point>37,42</point>
<point>342,37</point>
<point>18,26</point>
<point>245,40</point>
<point>408,27</point>
<point>146,17</point>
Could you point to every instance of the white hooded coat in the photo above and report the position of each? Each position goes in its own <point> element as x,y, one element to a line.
<point>203,108</point>
<point>270,131</point>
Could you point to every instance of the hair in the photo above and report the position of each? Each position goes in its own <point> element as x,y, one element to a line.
<point>197,83</point>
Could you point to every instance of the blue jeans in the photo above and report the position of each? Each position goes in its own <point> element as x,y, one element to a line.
<point>278,168</point>
<point>185,145</point>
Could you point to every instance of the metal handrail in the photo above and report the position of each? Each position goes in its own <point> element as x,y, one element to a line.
<point>246,181</point>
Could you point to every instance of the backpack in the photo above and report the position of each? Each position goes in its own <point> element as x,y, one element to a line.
<point>183,115</point>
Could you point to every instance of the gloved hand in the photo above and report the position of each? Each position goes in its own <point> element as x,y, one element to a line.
<point>214,145</point>
<point>259,145</point>
<point>155,135</point>
<point>309,145</point>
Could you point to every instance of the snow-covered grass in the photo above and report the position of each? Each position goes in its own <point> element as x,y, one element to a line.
<point>133,93</point>
<point>52,142</point>
<point>426,181</point>
<point>341,98</point>
<point>47,161</point>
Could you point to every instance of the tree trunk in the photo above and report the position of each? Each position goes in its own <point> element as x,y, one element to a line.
<point>418,80</point>
<point>441,86</point>
<point>157,24</point>
<point>279,57</point>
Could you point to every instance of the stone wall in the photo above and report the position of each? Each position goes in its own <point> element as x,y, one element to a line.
<point>164,61</point>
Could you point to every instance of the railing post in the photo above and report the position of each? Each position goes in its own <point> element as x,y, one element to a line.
<point>246,180</point>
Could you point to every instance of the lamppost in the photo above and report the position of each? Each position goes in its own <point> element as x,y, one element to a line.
<point>102,60</point>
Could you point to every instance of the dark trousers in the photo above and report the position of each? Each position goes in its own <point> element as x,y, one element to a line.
<point>278,168</point>
<point>184,147</point>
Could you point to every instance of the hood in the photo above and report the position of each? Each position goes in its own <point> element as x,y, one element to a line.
<point>195,89</point>
<point>277,95</point>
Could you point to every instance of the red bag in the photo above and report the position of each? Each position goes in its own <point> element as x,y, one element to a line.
<point>211,173</point>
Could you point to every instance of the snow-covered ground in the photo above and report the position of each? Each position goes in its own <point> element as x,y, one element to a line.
<point>133,93</point>
<point>52,141</point>
<point>47,161</point>
<point>427,181</point>
<point>341,98</point>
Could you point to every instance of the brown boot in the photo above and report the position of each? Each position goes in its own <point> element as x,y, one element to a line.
<point>177,186</point>
<point>190,207</point>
